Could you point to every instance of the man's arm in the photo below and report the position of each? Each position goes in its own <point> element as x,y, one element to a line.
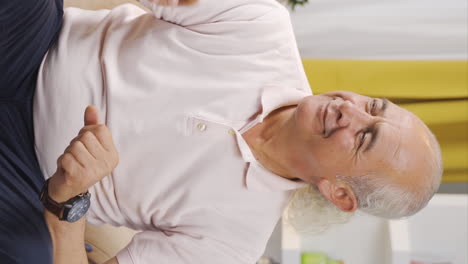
<point>89,158</point>
<point>67,240</point>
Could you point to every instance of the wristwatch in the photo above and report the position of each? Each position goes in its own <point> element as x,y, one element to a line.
<point>72,210</point>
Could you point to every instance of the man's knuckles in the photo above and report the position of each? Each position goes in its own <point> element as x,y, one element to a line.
<point>99,129</point>
<point>77,148</point>
<point>96,161</point>
<point>77,176</point>
<point>101,133</point>
<point>87,136</point>
<point>88,140</point>
<point>95,168</point>
<point>68,163</point>
<point>187,2</point>
<point>173,2</point>
<point>110,158</point>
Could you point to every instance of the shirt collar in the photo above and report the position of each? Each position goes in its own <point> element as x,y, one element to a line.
<point>258,178</point>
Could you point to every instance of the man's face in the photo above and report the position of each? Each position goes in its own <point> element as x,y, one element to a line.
<point>351,134</point>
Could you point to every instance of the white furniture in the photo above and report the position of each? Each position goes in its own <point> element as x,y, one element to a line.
<point>438,232</point>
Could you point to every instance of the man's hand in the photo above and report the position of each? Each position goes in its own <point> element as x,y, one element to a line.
<point>90,157</point>
<point>174,2</point>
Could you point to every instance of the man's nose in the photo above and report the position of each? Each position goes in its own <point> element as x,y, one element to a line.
<point>353,117</point>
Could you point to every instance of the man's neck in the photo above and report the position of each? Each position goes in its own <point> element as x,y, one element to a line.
<point>268,140</point>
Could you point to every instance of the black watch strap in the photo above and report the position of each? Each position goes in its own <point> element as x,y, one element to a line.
<point>50,204</point>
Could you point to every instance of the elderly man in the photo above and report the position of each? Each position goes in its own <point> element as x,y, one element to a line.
<point>207,110</point>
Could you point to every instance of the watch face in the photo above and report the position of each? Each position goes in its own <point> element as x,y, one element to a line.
<point>78,209</point>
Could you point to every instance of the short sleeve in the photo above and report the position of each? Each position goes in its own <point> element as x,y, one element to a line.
<point>230,27</point>
<point>157,247</point>
<point>213,11</point>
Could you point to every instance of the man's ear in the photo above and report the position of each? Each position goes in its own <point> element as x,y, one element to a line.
<point>340,194</point>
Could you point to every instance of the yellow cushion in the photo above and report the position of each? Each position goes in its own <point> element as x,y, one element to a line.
<point>106,241</point>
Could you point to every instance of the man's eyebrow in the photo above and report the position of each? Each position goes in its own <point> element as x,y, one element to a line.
<point>384,105</point>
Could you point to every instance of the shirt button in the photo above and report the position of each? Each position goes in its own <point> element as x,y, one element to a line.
<point>201,127</point>
<point>231,131</point>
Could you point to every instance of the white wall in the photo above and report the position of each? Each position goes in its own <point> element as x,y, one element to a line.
<point>364,240</point>
<point>439,232</point>
<point>441,229</point>
<point>385,29</point>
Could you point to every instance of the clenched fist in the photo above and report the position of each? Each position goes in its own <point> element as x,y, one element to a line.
<point>90,157</point>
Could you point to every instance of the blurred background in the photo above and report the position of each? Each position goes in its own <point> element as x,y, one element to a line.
<point>415,53</point>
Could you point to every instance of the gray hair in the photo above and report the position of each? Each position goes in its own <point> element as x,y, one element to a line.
<point>379,197</point>
<point>309,212</point>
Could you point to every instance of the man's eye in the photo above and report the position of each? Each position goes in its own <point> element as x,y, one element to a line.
<point>361,139</point>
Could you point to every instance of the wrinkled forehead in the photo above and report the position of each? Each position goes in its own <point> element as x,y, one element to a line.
<point>406,146</point>
<point>401,118</point>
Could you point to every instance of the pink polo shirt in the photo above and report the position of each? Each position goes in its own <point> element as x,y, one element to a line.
<point>177,88</point>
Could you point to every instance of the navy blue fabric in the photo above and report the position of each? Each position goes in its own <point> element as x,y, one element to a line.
<point>28,28</point>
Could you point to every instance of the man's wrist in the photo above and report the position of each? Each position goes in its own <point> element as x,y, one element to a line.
<point>59,191</point>
<point>64,203</point>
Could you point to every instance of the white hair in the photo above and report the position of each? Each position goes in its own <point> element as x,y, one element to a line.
<point>309,212</point>
<point>379,197</point>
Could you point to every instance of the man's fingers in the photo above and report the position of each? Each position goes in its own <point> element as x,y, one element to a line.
<point>89,157</point>
<point>69,165</point>
<point>97,139</point>
<point>92,141</point>
<point>104,136</point>
<point>174,3</point>
<point>73,175</point>
<point>91,116</point>
<point>93,145</point>
<point>102,133</point>
<point>187,2</point>
<point>81,154</point>
<point>59,162</point>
